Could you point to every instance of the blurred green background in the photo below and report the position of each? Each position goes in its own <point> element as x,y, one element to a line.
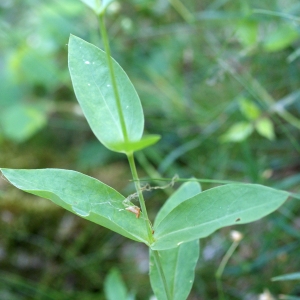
<point>219,80</point>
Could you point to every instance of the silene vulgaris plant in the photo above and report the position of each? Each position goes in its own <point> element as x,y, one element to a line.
<point>114,112</point>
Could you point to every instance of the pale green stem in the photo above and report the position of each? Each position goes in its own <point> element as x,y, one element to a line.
<point>182,10</point>
<point>222,267</point>
<point>140,194</point>
<point>130,155</point>
<point>149,169</point>
<point>149,228</point>
<point>161,273</point>
<point>112,75</point>
<point>204,180</point>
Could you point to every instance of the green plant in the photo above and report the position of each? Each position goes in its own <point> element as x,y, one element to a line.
<point>291,276</point>
<point>113,110</point>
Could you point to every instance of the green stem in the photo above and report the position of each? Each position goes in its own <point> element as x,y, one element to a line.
<point>140,194</point>
<point>130,155</point>
<point>161,273</point>
<point>221,268</point>
<point>149,169</point>
<point>204,180</point>
<point>112,75</point>
<point>225,259</point>
<point>149,228</point>
<point>183,11</point>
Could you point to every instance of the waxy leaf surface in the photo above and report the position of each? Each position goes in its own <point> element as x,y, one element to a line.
<point>178,263</point>
<point>218,207</point>
<point>94,91</point>
<point>83,195</point>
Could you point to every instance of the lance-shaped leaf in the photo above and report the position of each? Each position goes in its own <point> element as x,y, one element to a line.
<point>179,269</point>
<point>291,276</point>
<point>178,263</point>
<point>94,91</point>
<point>208,211</point>
<point>186,191</point>
<point>83,195</point>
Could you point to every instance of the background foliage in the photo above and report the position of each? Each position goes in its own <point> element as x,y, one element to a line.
<point>219,80</point>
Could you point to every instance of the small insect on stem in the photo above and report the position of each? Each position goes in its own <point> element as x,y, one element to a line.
<point>135,210</point>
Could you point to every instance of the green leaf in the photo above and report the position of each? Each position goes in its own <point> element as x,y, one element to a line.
<point>286,297</point>
<point>291,276</point>
<point>83,195</point>
<point>178,263</point>
<point>238,132</point>
<point>247,32</point>
<point>187,190</point>
<point>179,269</point>
<point>249,109</point>
<point>281,38</point>
<point>20,122</point>
<point>210,210</point>
<point>145,142</point>
<point>265,128</point>
<point>114,286</point>
<point>93,88</point>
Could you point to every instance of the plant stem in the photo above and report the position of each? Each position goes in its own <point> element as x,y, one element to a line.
<point>161,273</point>
<point>149,228</point>
<point>182,10</point>
<point>130,155</point>
<point>112,75</point>
<point>150,170</point>
<point>222,267</point>
<point>140,194</point>
<point>204,180</point>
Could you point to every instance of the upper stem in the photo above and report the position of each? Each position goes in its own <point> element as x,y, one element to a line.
<point>130,155</point>
<point>112,75</point>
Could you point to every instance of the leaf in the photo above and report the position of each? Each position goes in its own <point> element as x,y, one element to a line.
<point>187,190</point>
<point>145,142</point>
<point>114,286</point>
<point>238,132</point>
<point>179,269</point>
<point>178,263</point>
<point>93,88</point>
<point>281,38</point>
<point>249,109</point>
<point>286,297</point>
<point>247,32</point>
<point>83,195</point>
<point>20,122</point>
<point>265,128</point>
<point>291,276</point>
<point>210,210</point>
